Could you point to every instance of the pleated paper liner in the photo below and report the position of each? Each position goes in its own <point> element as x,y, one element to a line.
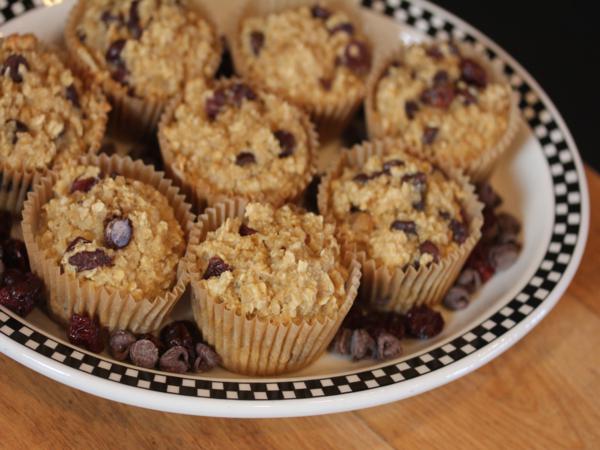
<point>251,345</point>
<point>201,193</point>
<point>67,294</point>
<point>477,169</point>
<point>330,118</point>
<point>130,116</point>
<point>392,288</point>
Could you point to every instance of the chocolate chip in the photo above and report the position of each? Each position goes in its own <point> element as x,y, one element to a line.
<point>175,360</point>
<point>354,209</point>
<point>72,95</point>
<point>431,249</point>
<point>216,266</point>
<point>83,184</point>
<point>107,17</point>
<point>88,260</point>
<point>257,41</point>
<point>14,255</point>
<point>119,74</point>
<point>456,298</point>
<point>429,135</point>
<point>287,142</point>
<point>113,54</point>
<point>441,77</point>
<point>439,96</point>
<point>410,109</point>
<point>469,279</point>
<point>434,52</point>
<point>75,242</point>
<point>387,166</point>
<point>488,196</point>
<point>319,12</point>
<point>241,92</point>
<point>133,24</point>
<point>508,227</point>
<point>387,346</point>
<point>459,231</point>
<point>206,358</point>
<point>118,232</point>
<point>423,322</point>
<point>119,344</point>
<point>245,230</point>
<point>362,344</point>
<point>12,64</point>
<point>417,179</point>
<point>341,341</point>
<point>144,353</point>
<point>502,256</point>
<point>245,158</point>
<point>357,57</point>
<point>361,178</point>
<point>344,27</point>
<point>472,73</point>
<point>214,104</point>
<point>407,226</point>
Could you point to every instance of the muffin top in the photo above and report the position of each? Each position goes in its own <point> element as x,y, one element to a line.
<point>46,115</point>
<point>310,55</point>
<point>112,231</point>
<point>253,144</point>
<point>399,209</point>
<point>279,264</point>
<point>442,103</point>
<point>152,47</point>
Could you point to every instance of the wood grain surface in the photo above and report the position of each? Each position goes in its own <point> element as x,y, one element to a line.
<point>543,393</point>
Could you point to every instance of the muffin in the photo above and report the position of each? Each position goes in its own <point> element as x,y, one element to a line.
<point>270,286</point>
<point>107,236</point>
<point>48,117</point>
<point>253,144</point>
<point>410,223</point>
<point>313,54</point>
<point>143,52</point>
<point>446,101</point>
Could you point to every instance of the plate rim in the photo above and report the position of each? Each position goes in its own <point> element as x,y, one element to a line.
<point>419,14</point>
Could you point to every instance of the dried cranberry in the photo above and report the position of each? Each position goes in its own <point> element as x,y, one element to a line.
<point>133,24</point>
<point>319,12</point>
<point>257,41</point>
<point>439,96</point>
<point>206,358</point>
<point>5,225</point>
<point>241,92</point>
<point>86,332</point>
<point>407,226</point>
<point>287,143</point>
<point>118,232</point>
<point>344,27</point>
<point>113,54</point>
<point>144,353</point>
<point>216,266</point>
<point>78,240</point>
<point>176,360</point>
<point>471,72</point>
<point>459,231</point>
<point>83,184</point>
<point>431,249</point>
<point>245,230</point>
<point>429,135</point>
<point>12,276</point>
<point>88,260</point>
<point>21,293</point>
<point>12,64</point>
<point>456,298</point>
<point>362,345</point>
<point>410,109</point>
<point>214,104</point>
<point>423,322</point>
<point>357,57</point>
<point>434,52</point>
<point>478,260</point>
<point>15,255</point>
<point>361,178</point>
<point>119,343</point>
<point>245,158</point>
<point>72,95</point>
<point>387,346</point>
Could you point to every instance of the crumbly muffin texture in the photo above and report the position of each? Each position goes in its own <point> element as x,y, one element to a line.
<point>400,210</point>
<point>46,115</point>
<point>151,46</point>
<point>442,103</point>
<point>279,264</point>
<point>239,141</point>
<point>113,232</point>
<point>311,55</point>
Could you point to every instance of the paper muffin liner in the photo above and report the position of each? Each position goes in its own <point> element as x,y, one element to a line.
<point>478,169</point>
<point>201,193</point>
<point>252,345</point>
<point>66,294</point>
<point>392,288</point>
<point>130,116</point>
<point>330,118</point>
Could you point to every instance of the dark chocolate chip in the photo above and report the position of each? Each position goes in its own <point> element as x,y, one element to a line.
<point>469,279</point>
<point>341,341</point>
<point>257,41</point>
<point>509,226</point>
<point>245,158</point>
<point>429,135</point>
<point>488,196</point>
<point>214,104</point>
<point>502,256</point>
<point>387,346</point>
<point>113,54</point>
<point>362,345</point>
<point>12,64</point>
<point>410,109</point>
<point>144,353</point>
<point>88,260</point>
<point>430,248</point>
<point>361,178</point>
<point>245,230</point>
<point>176,360</point>
<point>72,95</point>
<point>357,57</point>
<point>459,231</point>
<point>439,96</point>
<point>119,344</point>
<point>216,266</point>
<point>287,142</point>
<point>354,209</point>
<point>83,184</point>
<point>407,226</point>
<point>320,12</point>
<point>118,232</point>
<point>456,298</point>
<point>344,27</point>
<point>14,255</point>
<point>206,358</point>
<point>472,73</point>
<point>75,242</point>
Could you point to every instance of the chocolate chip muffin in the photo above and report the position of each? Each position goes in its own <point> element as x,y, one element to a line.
<point>447,102</point>
<point>114,229</point>
<point>254,144</point>
<point>277,281</point>
<point>143,52</point>
<point>405,216</point>
<point>47,116</point>
<point>313,54</point>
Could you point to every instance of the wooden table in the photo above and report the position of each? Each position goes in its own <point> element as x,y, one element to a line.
<point>543,393</point>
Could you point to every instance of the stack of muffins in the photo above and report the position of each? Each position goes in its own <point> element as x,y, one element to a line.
<point>271,283</point>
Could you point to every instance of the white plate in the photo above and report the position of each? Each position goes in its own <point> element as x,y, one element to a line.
<point>541,180</point>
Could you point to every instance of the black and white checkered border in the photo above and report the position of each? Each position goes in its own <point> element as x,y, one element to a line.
<point>567,195</point>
